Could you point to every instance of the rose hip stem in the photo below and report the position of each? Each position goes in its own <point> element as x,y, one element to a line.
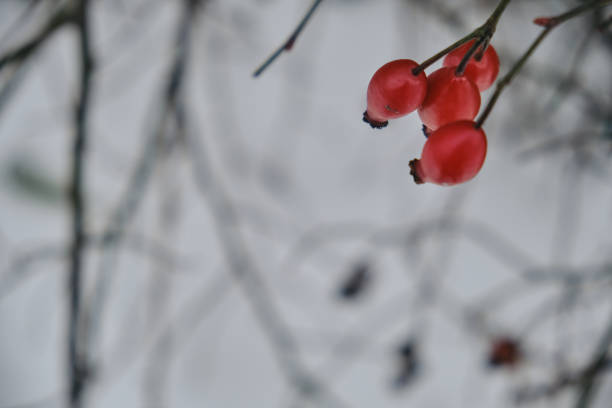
<point>466,58</point>
<point>552,22</point>
<point>485,31</point>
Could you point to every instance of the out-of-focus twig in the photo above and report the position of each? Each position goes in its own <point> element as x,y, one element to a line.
<point>11,83</point>
<point>244,269</point>
<point>140,178</point>
<point>156,372</point>
<point>22,262</point>
<point>564,88</point>
<point>77,363</point>
<point>475,231</point>
<point>16,271</point>
<point>596,106</point>
<point>20,20</point>
<point>180,325</point>
<point>20,53</point>
<point>16,57</point>
<point>584,380</point>
<point>599,361</point>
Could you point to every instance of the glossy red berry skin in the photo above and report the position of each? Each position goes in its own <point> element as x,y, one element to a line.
<point>394,91</point>
<point>449,98</point>
<point>452,154</point>
<point>484,72</point>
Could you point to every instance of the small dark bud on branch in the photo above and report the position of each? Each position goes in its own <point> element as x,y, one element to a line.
<point>546,22</point>
<point>357,281</point>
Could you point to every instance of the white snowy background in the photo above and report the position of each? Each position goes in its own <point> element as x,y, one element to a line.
<point>523,250</point>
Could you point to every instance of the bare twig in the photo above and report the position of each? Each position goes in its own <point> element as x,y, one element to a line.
<point>20,20</point>
<point>599,361</point>
<point>20,263</point>
<point>565,86</point>
<point>584,380</point>
<point>15,76</point>
<point>484,32</point>
<point>16,271</point>
<point>139,180</point>
<point>23,51</point>
<point>16,58</point>
<point>171,337</point>
<point>550,23</point>
<point>475,231</point>
<point>77,365</point>
<point>288,44</point>
<point>153,387</point>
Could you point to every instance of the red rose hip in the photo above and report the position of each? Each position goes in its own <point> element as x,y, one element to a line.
<point>482,72</point>
<point>394,91</point>
<point>452,154</point>
<point>449,98</point>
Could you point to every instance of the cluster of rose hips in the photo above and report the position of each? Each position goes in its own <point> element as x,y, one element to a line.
<point>447,100</point>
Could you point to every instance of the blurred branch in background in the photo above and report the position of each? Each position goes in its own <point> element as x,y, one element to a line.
<point>21,264</point>
<point>12,62</point>
<point>244,270</point>
<point>161,137</point>
<point>78,369</point>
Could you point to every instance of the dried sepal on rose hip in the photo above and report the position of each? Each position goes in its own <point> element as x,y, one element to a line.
<point>452,154</point>
<point>450,97</point>
<point>482,68</point>
<point>426,131</point>
<point>394,91</point>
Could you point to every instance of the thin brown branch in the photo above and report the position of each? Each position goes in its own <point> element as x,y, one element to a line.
<point>288,44</point>
<point>549,23</point>
<point>484,32</point>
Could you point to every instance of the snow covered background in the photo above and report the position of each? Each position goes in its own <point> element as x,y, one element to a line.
<point>523,250</point>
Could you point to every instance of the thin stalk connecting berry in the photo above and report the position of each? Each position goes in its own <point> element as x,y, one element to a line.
<point>484,31</point>
<point>468,55</point>
<point>554,21</point>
